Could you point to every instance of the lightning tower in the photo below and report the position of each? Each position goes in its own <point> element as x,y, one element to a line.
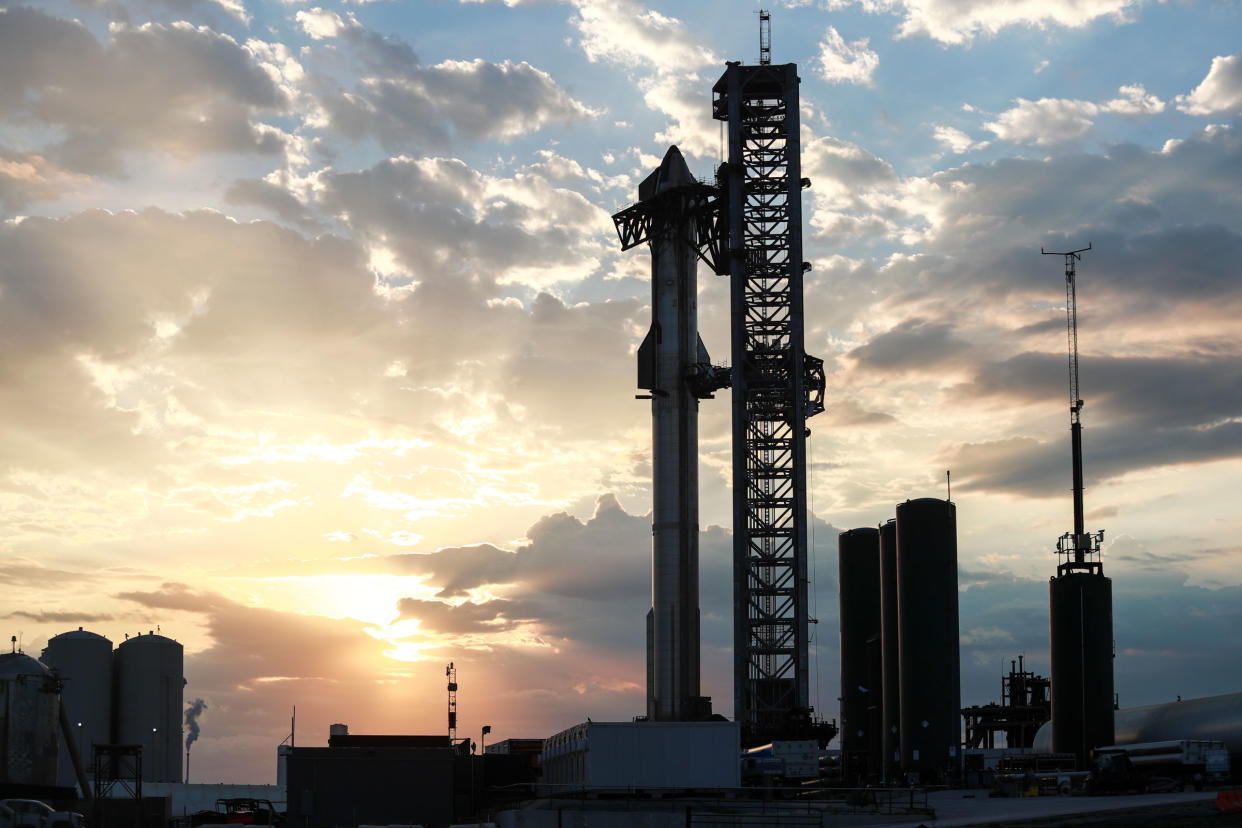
<point>776,386</point>
<point>1080,619</point>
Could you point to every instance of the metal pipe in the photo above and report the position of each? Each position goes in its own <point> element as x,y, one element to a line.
<point>74,755</point>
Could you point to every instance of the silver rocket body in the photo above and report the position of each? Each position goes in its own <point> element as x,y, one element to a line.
<point>667,359</point>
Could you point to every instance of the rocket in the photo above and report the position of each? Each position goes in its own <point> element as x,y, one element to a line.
<point>671,363</point>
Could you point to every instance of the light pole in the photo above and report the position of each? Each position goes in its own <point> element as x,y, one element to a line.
<point>483,738</point>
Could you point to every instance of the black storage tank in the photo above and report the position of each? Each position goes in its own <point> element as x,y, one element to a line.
<point>930,694</point>
<point>858,558</point>
<point>1080,626</point>
<point>890,719</point>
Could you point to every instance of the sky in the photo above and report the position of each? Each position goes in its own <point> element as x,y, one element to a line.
<point>317,346</point>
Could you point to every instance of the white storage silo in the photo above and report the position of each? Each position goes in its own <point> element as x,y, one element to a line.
<point>29,721</point>
<point>149,698</point>
<point>84,661</point>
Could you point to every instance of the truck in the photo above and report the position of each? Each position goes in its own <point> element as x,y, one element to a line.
<point>1166,764</point>
<point>781,761</point>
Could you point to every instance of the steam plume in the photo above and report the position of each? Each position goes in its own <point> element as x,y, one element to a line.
<point>192,713</point>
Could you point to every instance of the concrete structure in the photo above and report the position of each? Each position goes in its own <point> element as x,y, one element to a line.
<point>643,755</point>
<point>84,661</point>
<point>149,694</point>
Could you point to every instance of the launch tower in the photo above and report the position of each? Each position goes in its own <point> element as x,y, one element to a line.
<point>776,386</point>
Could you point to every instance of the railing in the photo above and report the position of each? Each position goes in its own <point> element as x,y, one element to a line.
<point>723,806</point>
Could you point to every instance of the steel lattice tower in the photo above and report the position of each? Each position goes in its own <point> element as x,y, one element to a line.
<point>776,386</point>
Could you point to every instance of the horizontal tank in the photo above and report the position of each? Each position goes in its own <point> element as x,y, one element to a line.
<point>29,721</point>
<point>858,563</point>
<point>1080,624</point>
<point>928,649</point>
<point>149,699</point>
<point>84,661</point>
<point>1217,718</point>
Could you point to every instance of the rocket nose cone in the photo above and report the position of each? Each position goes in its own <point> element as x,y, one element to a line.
<point>672,172</point>
<point>673,169</point>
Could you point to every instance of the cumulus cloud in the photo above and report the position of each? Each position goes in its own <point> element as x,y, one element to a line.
<point>1043,122</point>
<point>957,141</point>
<point>1058,120</point>
<point>187,90</point>
<point>841,62</point>
<point>431,107</point>
<point>631,35</point>
<point>1220,90</point>
<point>958,22</point>
<point>319,23</point>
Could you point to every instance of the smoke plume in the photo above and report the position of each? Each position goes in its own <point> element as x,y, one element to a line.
<point>192,713</point>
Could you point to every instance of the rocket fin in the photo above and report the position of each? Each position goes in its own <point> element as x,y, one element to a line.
<point>702,357</point>
<point>647,355</point>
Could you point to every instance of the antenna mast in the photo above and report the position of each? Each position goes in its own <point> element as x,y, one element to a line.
<point>451,672</point>
<point>1076,546</point>
<point>765,37</point>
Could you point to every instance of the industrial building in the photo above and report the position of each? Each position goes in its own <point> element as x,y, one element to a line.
<point>84,697</point>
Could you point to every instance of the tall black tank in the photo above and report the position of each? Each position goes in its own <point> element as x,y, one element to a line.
<point>858,557</point>
<point>890,672</point>
<point>930,694</point>
<point>1080,627</point>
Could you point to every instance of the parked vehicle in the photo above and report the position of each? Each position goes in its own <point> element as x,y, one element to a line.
<point>31,813</point>
<point>239,811</point>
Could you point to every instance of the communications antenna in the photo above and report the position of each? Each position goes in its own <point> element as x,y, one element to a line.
<point>1078,550</point>
<point>765,37</point>
<point>451,672</point>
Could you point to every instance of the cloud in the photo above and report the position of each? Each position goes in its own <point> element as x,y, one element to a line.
<point>1134,100</point>
<point>958,22</point>
<point>916,344</point>
<point>432,107</point>
<point>1058,120</point>
<point>319,23</point>
<point>630,35</point>
<point>1220,91</point>
<point>61,617</point>
<point>26,177</point>
<point>957,141</point>
<point>841,62</point>
<point>186,90</point>
<point>440,216</point>
<point>407,105</point>
<point>1043,122</point>
<point>496,615</point>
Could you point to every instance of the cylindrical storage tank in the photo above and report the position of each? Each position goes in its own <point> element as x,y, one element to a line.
<point>149,699</point>
<point>84,661</point>
<point>858,560</point>
<point>29,721</point>
<point>890,717</point>
<point>1080,627</point>
<point>928,650</point>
